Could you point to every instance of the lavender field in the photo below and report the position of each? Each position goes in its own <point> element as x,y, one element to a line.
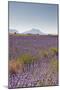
<point>33,60</point>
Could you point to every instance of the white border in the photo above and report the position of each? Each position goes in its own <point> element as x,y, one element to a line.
<point>4,43</point>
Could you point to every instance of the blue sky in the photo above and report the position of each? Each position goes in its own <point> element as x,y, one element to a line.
<point>25,16</point>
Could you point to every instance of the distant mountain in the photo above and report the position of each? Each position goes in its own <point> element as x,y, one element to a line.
<point>34,31</point>
<point>13,31</point>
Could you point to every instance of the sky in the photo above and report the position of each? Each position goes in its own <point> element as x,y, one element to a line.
<point>25,16</point>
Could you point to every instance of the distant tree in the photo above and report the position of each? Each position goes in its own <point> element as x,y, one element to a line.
<point>14,32</point>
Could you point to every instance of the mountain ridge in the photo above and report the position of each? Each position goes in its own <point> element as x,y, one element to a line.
<point>34,31</point>
<point>31,31</point>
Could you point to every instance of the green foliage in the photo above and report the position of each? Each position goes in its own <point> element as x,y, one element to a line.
<point>27,58</point>
<point>22,34</point>
<point>54,51</point>
<point>53,65</point>
<point>45,53</point>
